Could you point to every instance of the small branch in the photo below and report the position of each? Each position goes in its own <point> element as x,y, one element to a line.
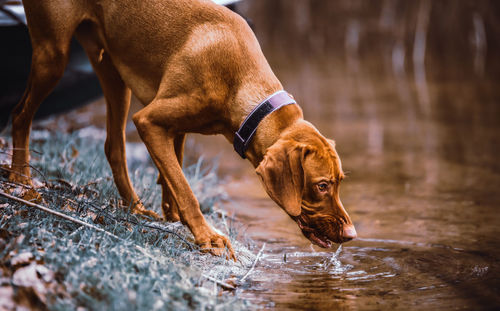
<point>254,263</point>
<point>77,221</point>
<point>160,227</point>
<point>141,249</point>
<point>218,282</point>
<point>14,183</point>
<point>58,214</point>
<point>31,150</point>
<point>62,181</point>
<point>72,219</point>
<point>39,172</point>
<point>150,225</point>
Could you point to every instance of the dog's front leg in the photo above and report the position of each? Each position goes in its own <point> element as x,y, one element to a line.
<point>152,123</point>
<point>169,207</point>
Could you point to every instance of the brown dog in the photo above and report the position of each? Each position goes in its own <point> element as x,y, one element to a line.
<point>196,67</point>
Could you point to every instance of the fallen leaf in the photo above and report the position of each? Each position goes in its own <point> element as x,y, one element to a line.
<point>74,152</point>
<point>3,143</point>
<point>98,220</point>
<point>35,279</point>
<point>68,208</point>
<point>7,298</point>
<point>27,297</point>
<point>32,196</point>
<point>4,234</point>
<point>22,259</point>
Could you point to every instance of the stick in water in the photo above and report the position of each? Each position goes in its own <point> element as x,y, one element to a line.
<point>254,263</point>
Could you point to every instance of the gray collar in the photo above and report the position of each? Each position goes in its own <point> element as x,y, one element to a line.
<point>244,135</point>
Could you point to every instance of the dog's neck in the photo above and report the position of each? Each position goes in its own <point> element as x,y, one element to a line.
<point>270,130</point>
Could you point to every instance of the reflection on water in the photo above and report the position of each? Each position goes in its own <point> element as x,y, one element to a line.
<point>368,276</point>
<point>409,91</point>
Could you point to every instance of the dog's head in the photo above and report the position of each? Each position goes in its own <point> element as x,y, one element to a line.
<point>302,173</point>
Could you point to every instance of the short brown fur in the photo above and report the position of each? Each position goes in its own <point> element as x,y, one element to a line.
<point>196,67</point>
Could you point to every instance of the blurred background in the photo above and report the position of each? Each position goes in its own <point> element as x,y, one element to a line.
<point>388,66</point>
<point>410,92</point>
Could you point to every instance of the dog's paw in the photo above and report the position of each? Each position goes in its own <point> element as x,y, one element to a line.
<point>139,209</point>
<point>171,214</point>
<point>21,179</point>
<point>217,245</point>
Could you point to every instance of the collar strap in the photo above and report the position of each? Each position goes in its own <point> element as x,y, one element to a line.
<point>244,135</point>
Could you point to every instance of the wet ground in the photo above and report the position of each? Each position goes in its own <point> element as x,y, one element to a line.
<point>410,92</point>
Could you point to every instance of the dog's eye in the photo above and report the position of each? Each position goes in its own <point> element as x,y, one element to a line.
<point>323,186</point>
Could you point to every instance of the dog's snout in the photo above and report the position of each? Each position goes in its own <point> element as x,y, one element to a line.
<point>349,233</point>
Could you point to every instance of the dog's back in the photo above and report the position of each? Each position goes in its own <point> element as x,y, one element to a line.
<point>153,43</point>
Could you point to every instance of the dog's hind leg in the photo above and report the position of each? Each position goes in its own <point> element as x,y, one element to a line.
<point>50,40</point>
<point>117,96</point>
<point>168,204</point>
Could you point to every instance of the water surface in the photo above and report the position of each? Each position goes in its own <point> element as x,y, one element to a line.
<point>409,91</point>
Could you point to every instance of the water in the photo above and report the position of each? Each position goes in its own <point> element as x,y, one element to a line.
<point>409,91</point>
<point>387,267</point>
<point>371,275</point>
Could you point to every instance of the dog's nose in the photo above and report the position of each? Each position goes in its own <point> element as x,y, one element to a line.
<point>349,233</point>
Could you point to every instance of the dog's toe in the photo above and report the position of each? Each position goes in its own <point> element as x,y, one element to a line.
<point>141,210</point>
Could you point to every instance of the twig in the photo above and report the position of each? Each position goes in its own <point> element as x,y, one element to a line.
<point>221,283</point>
<point>56,213</point>
<point>150,225</point>
<point>31,150</point>
<point>61,181</point>
<point>75,220</point>
<point>94,182</point>
<point>156,226</point>
<point>14,183</point>
<point>254,263</point>
<point>39,172</point>
<point>72,219</point>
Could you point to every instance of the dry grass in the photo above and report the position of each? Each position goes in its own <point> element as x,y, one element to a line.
<point>48,262</point>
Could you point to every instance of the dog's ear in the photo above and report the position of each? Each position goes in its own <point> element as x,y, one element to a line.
<point>282,174</point>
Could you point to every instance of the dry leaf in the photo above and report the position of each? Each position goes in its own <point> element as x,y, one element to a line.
<point>28,298</point>
<point>68,208</point>
<point>22,259</point>
<point>7,298</point>
<point>32,196</point>
<point>74,152</point>
<point>36,280</point>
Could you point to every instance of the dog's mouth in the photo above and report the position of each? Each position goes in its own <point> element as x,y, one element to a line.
<point>312,234</point>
